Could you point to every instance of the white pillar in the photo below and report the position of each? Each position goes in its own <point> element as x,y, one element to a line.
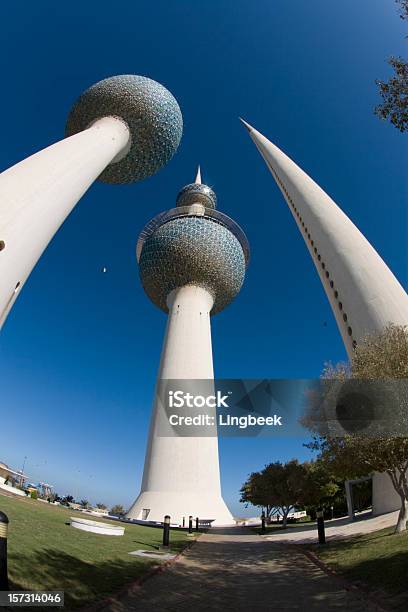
<point>37,194</point>
<point>181,474</point>
<point>348,485</point>
<point>357,282</point>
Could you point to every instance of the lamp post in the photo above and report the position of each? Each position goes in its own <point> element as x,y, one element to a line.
<point>22,471</point>
<point>166,531</point>
<point>320,527</point>
<point>4,523</point>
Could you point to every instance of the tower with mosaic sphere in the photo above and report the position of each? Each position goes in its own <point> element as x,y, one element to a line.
<point>122,129</point>
<point>192,263</point>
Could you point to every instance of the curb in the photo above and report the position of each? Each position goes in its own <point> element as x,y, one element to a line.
<point>132,587</point>
<point>361,591</point>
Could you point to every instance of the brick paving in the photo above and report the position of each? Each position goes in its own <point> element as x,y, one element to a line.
<point>234,569</point>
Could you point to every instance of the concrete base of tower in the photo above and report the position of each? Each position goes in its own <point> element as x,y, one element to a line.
<point>154,505</point>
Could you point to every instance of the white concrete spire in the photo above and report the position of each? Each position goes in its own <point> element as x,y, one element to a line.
<point>362,291</point>
<point>38,193</point>
<point>247,125</point>
<point>198,177</point>
<point>181,474</point>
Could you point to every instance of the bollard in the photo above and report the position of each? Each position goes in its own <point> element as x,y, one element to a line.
<point>190,524</point>
<point>196,523</point>
<point>263,522</point>
<point>4,523</point>
<point>166,531</point>
<point>320,527</point>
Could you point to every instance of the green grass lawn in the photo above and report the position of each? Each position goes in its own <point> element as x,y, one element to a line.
<point>378,559</point>
<point>46,554</point>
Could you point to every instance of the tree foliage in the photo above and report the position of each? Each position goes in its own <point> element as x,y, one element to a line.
<point>394,92</point>
<point>403,8</point>
<point>320,486</point>
<point>282,487</point>
<point>382,356</point>
<point>117,509</point>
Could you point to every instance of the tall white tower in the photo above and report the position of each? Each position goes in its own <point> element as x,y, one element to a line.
<point>192,262</point>
<point>120,130</point>
<point>363,292</point>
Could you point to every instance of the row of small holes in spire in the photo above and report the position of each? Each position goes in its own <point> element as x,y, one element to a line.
<point>319,258</point>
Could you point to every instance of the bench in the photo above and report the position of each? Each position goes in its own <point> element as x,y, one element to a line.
<point>205,522</point>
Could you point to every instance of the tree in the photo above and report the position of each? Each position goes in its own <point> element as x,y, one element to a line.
<point>278,487</point>
<point>101,506</point>
<point>378,357</point>
<point>68,499</point>
<point>85,503</point>
<point>117,510</point>
<point>403,8</point>
<point>255,491</point>
<point>320,487</point>
<point>394,92</point>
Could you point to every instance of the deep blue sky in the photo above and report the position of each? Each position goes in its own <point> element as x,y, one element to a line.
<point>82,345</point>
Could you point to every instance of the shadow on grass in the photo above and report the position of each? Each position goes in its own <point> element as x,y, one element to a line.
<point>387,571</point>
<point>347,543</point>
<point>83,582</point>
<point>385,576</point>
<point>147,544</point>
<point>378,560</point>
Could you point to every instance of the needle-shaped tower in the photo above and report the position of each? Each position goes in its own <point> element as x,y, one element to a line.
<point>192,262</point>
<point>362,291</point>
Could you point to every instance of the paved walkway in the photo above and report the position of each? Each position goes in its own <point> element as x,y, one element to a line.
<point>336,529</point>
<point>233,569</point>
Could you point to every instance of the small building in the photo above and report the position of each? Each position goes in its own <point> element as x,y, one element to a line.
<point>10,479</point>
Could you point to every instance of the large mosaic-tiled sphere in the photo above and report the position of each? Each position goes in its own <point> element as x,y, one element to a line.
<point>192,250</point>
<point>151,114</point>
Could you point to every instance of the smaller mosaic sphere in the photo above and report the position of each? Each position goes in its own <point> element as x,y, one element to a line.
<point>197,194</point>
<point>151,113</point>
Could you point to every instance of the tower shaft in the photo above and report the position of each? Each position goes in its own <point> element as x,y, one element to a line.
<point>181,474</point>
<point>362,291</point>
<point>37,194</point>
